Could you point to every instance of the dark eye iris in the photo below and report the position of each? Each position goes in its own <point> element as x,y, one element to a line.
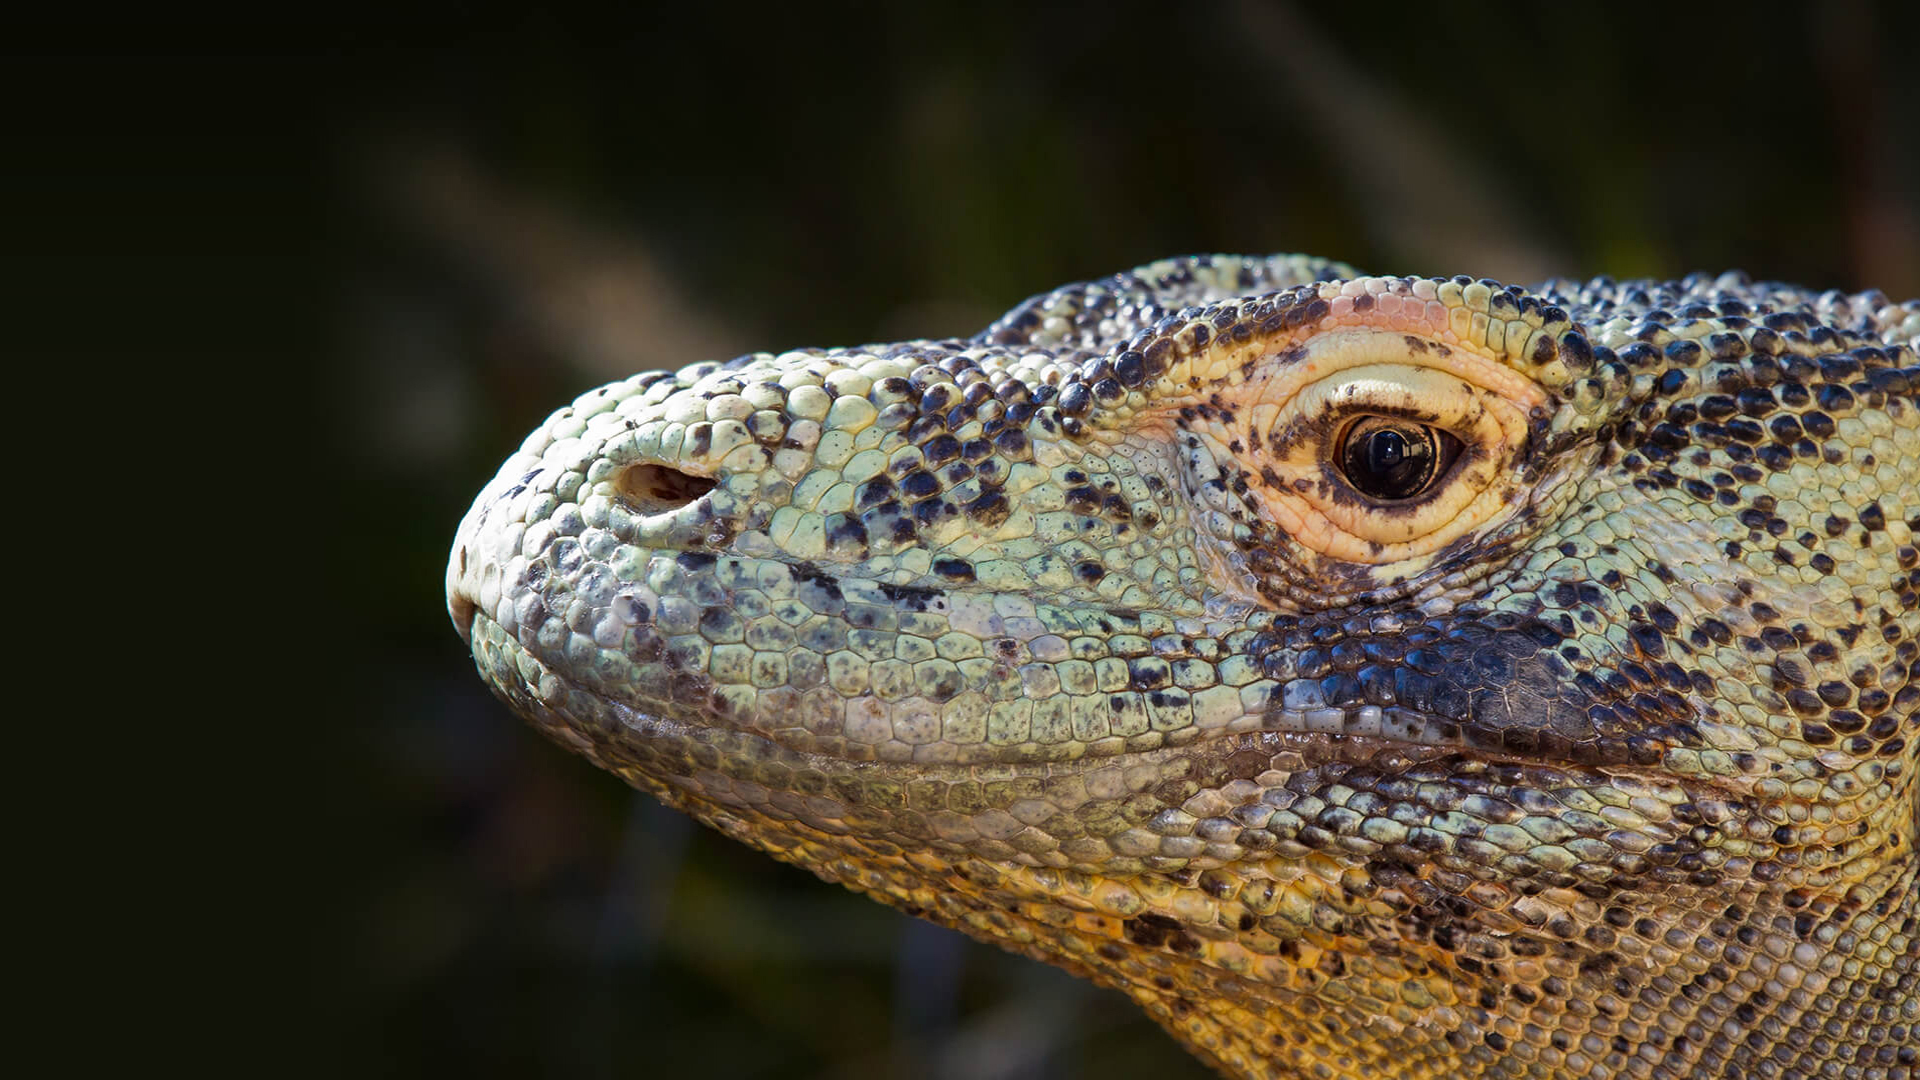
<point>1384,458</point>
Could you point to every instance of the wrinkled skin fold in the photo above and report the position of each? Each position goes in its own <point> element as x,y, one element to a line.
<point>1093,637</point>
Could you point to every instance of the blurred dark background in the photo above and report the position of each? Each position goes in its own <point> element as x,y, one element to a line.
<point>415,236</point>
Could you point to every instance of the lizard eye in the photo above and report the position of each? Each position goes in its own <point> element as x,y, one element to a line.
<point>1394,460</point>
<point>1374,448</point>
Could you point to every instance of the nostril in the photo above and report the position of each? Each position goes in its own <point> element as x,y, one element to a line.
<point>656,489</point>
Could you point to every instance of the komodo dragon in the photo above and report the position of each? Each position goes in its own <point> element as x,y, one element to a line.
<point>1370,676</point>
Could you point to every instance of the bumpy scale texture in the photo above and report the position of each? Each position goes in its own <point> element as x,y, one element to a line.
<point>1595,757</point>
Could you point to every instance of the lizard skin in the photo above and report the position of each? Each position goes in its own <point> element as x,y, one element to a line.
<point>1115,636</point>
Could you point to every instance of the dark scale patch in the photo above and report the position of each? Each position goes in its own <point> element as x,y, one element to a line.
<point>953,569</point>
<point>806,573</point>
<point>941,449</point>
<point>912,597</point>
<point>1158,931</point>
<point>846,533</point>
<point>931,512</point>
<point>919,484</point>
<point>901,529</point>
<point>873,493</point>
<point>1149,673</point>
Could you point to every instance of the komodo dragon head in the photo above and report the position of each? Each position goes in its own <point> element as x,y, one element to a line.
<point>1369,676</point>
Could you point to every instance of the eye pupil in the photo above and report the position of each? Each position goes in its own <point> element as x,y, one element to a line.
<point>1384,458</point>
<point>1386,449</point>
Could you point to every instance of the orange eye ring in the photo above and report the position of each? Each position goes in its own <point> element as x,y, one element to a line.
<point>1325,479</point>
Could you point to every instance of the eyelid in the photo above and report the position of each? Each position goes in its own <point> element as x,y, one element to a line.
<point>1419,395</point>
<point>1344,418</point>
<point>1344,352</point>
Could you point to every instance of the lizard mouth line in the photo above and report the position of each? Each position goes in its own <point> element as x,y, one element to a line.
<point>1366,734</point>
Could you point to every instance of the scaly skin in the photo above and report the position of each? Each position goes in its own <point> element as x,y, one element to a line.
<point>1595,758</point>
